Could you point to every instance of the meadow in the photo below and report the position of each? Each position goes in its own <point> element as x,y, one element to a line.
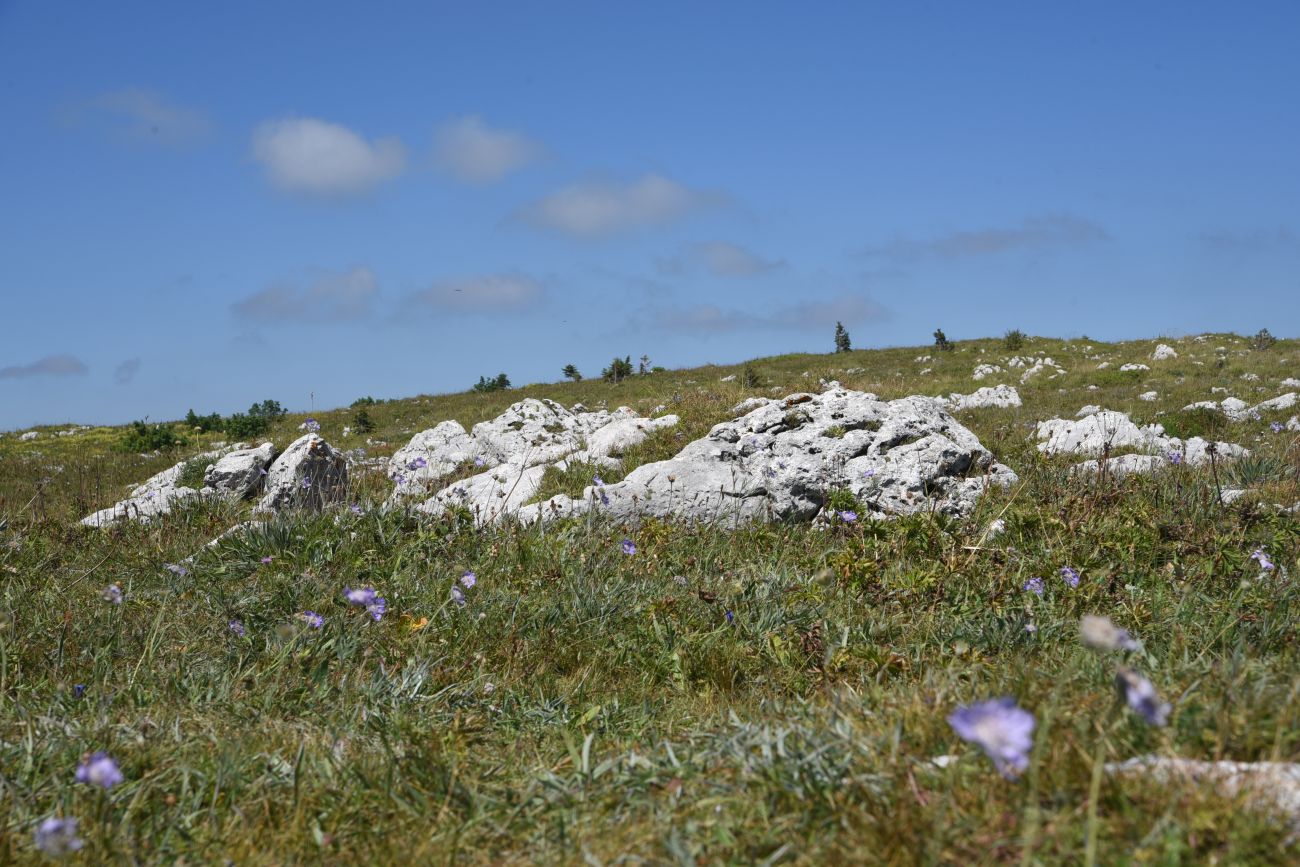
<point>769,695</point>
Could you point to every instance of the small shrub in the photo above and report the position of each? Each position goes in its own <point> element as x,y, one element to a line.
<point>751,378</point>
<point>192,473</point>
<point>500,382</point>
<point>941,341</point>
<point>361,422</point>
<point>618,370</point>
<point>570,371</point>
<point>1202,422</point>
<point>1262,340</point>
<point>141,437</point>
<point>1014,340</point>
<point>363,401</point>
<point>204,423</point>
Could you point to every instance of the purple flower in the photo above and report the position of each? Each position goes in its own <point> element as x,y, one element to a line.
<point>458,596</point>
<point>113,594</point>
<point>1031,628</point>
<point>377,608</point>
<point>1275,426</point>
<point>310,425</point>
<point>417,464</point>
<point>306,483</point>
<point>598,481</point>
<point>999,727</point>
<point>1262,557</point>
<point>236,627</point>
<point>78,690</point>
<point>1070,575</point>
<point>731,617</point>
<point>629,547</point>
<point>176,569</point>
<point>848,516</point>
<point>468,580</point>
<point>1100,633</point>
<point>355,508</point>
<point>478,461</point>
<point>100,770</point>
<point>360,596</point>
<point>266,561</point>
<point>1142,697</point>
<point>312,619</point>
<point>1035,586</point>
<point>869,473</point>
<point>56,837</point>
<point>1175,458</point>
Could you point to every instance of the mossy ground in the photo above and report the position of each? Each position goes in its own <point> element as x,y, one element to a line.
<point>770,695</point>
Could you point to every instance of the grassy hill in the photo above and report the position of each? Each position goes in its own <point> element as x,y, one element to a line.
<point>775,694</point>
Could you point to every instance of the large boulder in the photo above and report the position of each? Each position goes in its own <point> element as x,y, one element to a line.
<point>155,496</point>
<point>310,474</point>
<point>780,461</point>
<point>238,474</point>
<point>490,496</point>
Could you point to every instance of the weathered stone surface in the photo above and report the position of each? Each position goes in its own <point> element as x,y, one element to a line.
<point>1090,409</point>
<point>29,436</point>
<point>1111,431</point>
<point>1163,352</point>
<point>310,474</point>
<point>1149,396</point>
<point>1269,786</point>
<point>238,474</point>
<point>779,462</point>
<point>985,370</point>
<point>490,496</point>
<point>434,453</point>
<point>155,496</point>
<point>1124,465</point>
<point>1238,410</point>
<point>1293,423</point>
<point>1134,366</point>
<point>998,397</point>
<point>621,434</point>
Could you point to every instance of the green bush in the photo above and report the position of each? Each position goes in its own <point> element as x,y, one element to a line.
<point>618,370</point>
<point>361,422</point>
<point>141,437</point>
<point>1202,422</point>
<point>500,382</point>
<point>364,401</point>
<point>1014,340</point>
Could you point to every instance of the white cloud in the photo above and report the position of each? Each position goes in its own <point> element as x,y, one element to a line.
<point>1032,233</point>
<point>490,293</point>
<point>597,208</point>
<point>469,150</point>
<point>710,319</point>
<point>721,259</point>
<point>316,158</point>
<point>50,365</point>
<point>126,371</point>
<point>145,116</point>
<point>330,297</point>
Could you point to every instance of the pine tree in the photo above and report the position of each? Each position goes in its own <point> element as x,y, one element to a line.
<point>571,372</point>
<point>842,343</point>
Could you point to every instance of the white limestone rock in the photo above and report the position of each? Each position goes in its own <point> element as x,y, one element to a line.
<point>238,474</point>
<point>984,370</point>
<point>777,463</point>
<point>1133,366</point>
<point>1163,352</point>
<point>1093,434</point>
<point>308,475</point>
<point>490,496</point>
<point>1149,396</point>
<point>998,397</point>
<point>1090,409</point>
<point>29,436</point>
<point>621,434</point>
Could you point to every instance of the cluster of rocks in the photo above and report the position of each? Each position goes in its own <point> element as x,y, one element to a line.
<point>995,397</point>
<point>1030,366</point>
<point>781,458</point>
<point>308,474</point>
<point>1238,410</point>
<point>1106,432</point>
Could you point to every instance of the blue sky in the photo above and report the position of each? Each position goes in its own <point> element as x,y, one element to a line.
<point>205,205</point>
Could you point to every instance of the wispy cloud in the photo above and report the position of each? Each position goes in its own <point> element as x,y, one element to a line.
<point>1253,241</point>
<point>143,116</point>
<point>126,371</point>
<point>599,208</point>
<point>471,151</point>
<point>50,365</point>
<point>329,297</point>
<point>721,259</point>
<point>1052,230</point>
<point>318,159</point>
<point>489,293</point>
<point>712,319</point>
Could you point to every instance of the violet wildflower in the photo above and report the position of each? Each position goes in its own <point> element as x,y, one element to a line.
<point>848,516</point>
<point>78,690</point>
<point>1035,586</point>
<point>1100,634</point>
<point>1031,628</point>
<point>1262,558</point>
<point>417,464</point>
<point>1071,575</point>
<point>468,580</point>
<point>1142,696</point>
<point>56,837</point>
<point>355,508</point>
<point>869,473</point>
<point>99,769</point>
<point>237,628</point>
<point>999,727</point>
<point>311,426</point>
<point>176,569</point>
<point>377,608</point>
<point>629,547</point>
<point>478,461</point>
<point>731,617</point>
<point>266,561</point>
<point>360,596</point>
<point>112,594</point>
<point>306,483</point>
<point>458,596</point>
<point>1175,458</point>
<point>597,481</point>
<point>312,619</point>
<point>1275,426</point>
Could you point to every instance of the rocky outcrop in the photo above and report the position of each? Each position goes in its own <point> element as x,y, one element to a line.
<point>780,461</point>
<point>1109,432</point>
<point>239,474</point>
<point>996,397</point>
<point>309,475</point>
<point>155,496</point>
<point>1163,352</point>
<point>1238,410</point>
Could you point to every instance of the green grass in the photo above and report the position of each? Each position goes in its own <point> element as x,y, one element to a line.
<point>586,705</point>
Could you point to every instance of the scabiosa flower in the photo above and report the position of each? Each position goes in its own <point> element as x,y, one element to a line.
<point>1275,426</point>
<point>1071,575</point>
<point>418,464</point>
<point>848,516</point>
<point>78,690</point>
<point>458,596</point>
<point>629,547</point>
<point>468,580</point>
<point>360,596</point>
<point>311,426</point>
<point>1261,557</point>
<point>355,508</point>
<point>1035,586</point>
<point>377,608</point>
<point>306,483</point>
<point>112,594</point>
<point>312,619</point>
<point>478,461</point>
<point>1142,697</point>
<point>1175,458</point>
<point>176,569</point>
<point>56,837</point>
<point>266,561</point>
<point>1002,729</point>
<point>99,769</point>
<point>237,628</point>
<point>1100,634</point>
